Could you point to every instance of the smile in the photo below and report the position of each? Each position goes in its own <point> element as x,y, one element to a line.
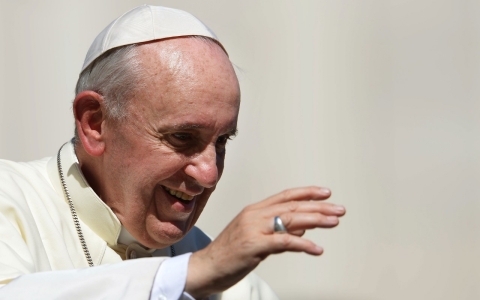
<point>178,194</point>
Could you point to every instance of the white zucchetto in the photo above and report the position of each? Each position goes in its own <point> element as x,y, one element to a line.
<point>143,24</point>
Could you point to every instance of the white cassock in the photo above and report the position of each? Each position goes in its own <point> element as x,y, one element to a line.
<point>41,256</point>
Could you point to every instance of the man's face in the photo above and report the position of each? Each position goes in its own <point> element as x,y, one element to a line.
<point>172,141</point>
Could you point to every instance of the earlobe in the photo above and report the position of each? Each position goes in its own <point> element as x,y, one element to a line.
<point>89,112</point>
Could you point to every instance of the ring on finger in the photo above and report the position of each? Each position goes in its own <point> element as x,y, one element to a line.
<point>278,226</point>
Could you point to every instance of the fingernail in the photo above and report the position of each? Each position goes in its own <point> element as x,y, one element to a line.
<point>339,209</point>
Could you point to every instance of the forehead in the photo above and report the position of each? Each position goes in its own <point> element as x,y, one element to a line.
<point>187,80</point>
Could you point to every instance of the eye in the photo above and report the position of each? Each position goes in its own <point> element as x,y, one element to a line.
<point>182,136</point>
<point>223,139</point>
<point>180,139</point>
<point>222,142</point>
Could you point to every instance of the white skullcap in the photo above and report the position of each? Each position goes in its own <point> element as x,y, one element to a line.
<point>146,23</point>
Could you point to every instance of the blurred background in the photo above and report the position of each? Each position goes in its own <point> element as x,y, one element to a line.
<point>378,100</point>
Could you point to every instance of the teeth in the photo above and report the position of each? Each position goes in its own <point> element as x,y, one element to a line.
<point>179,194</point>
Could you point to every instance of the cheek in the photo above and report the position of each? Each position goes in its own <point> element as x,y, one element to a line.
<point>201,205</point>
<point>161,166</point>
<point>136,177</point>
<point>154,163</point>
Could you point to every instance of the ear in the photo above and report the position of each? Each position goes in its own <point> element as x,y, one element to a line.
<point>89,112</point>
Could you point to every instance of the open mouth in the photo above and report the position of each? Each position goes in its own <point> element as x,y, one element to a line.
<point>185,198</point>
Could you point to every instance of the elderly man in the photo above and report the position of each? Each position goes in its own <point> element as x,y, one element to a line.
<point>156,102</point>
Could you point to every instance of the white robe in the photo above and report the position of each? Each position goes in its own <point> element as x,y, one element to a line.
<point>40,253</point>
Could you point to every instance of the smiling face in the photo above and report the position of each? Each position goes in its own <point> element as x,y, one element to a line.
<point>172,140</point>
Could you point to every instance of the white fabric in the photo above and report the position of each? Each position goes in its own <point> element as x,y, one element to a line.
<point>40,254</point>
<point>146,23</point>
<point>172,272</point>
<point>128,280</point>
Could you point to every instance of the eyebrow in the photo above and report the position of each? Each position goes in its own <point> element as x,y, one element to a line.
<point>233,132</point>
<point>187,126</point>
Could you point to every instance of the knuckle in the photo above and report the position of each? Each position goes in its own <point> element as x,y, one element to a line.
<point>286,194</point>
<point>285,240</point>
<point>287,220</point>
<point>320,219</point>
<point>249,209</point>
<point>244,218</point>
<point>292,206</point>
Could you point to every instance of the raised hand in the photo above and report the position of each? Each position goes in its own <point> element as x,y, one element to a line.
<point>250,238</point>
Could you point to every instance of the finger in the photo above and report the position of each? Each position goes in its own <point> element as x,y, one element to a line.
<point>279,243</point>
<point>302,193</point>
<point>297,232</point>
<point>304,221</point>
<point>324,208</point>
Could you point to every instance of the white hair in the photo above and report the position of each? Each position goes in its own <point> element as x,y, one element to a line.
<point>113,75</point>
<point>116,75</point>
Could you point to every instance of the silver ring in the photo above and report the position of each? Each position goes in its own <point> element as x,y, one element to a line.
<point>278,225</point>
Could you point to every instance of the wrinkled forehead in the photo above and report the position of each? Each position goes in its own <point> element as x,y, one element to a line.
<point>187,61</point>
<point>175,53</point>
<point>185,76</point>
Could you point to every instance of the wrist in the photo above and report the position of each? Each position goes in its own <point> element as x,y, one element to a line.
<point>197,284</point>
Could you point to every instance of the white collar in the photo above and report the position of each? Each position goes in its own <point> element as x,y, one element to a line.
<point>95,214</point>
<point>90,208</point>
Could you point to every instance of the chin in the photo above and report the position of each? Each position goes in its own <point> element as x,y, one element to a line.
<point>166,234</point>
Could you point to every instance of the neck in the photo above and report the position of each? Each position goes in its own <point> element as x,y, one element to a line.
<point>91,169</point>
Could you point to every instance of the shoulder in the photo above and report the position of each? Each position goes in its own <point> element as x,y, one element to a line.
<point>201,238</point>
<point>19,179</point>
<point>14,171</point>
<point>195,240</point>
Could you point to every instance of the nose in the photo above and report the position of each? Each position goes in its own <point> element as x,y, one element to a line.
<point>203,167</point>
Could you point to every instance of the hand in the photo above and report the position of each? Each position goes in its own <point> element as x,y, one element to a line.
<point>249,238</point>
